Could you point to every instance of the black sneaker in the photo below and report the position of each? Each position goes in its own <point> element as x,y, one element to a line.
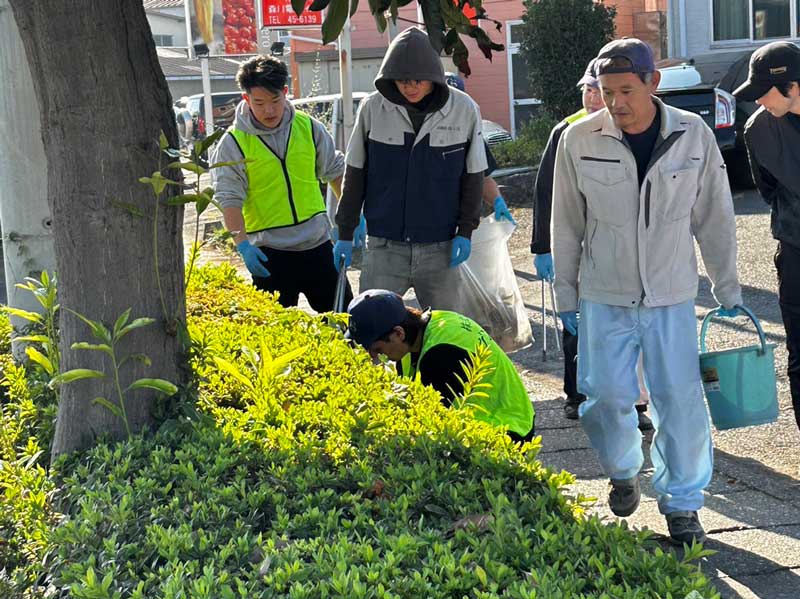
<point>571,407</point>
<point>624,496</point>
<point>685,527</point>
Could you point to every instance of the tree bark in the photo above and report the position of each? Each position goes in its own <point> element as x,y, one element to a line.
<point>24,213</point>
<point>103,100</point>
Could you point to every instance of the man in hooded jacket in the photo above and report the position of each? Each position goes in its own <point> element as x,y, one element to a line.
<point>415,165</point>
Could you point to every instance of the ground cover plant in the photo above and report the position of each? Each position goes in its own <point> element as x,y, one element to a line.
<point>302,470</point>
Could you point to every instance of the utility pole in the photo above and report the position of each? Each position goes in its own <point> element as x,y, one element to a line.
<point>346,82</point>
<point>27,229</point>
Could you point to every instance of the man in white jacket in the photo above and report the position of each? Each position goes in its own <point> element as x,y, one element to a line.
<point>635,185</point>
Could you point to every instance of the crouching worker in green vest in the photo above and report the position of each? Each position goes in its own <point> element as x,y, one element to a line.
<point>272,203</point>
<point>433,345</point>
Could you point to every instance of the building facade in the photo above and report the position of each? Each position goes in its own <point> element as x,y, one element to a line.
<point>500,86</point>
<point>717,32</point>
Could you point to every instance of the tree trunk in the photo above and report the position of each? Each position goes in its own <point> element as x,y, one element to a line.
<point>103,100</point>
<point>24,213</point>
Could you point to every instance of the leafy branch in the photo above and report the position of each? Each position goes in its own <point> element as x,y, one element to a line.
<point>262,367</point>
<point>445,22</point>
<point>474,386</point>
<point>44,326</point>
<point>109,339</point>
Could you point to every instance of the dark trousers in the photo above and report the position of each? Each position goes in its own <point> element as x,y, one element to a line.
<point>570,344</point>
<point>310,272</point>
<point>787,263</point>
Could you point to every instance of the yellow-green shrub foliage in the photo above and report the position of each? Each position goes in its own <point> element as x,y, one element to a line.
<point>326,476</point>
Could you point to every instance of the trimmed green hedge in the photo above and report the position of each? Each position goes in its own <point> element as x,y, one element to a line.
<point>529,145</point>
<point>317,476</point>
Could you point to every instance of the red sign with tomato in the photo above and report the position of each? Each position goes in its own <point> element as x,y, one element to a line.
<point>279,13</point>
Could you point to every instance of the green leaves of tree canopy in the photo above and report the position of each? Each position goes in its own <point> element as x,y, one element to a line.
<point>442,17</point>
<point>334,20</point>
<point>559,38</point>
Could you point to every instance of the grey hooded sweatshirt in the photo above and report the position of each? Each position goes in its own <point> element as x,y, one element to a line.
<point>230,182</point>
<point>398,186</point>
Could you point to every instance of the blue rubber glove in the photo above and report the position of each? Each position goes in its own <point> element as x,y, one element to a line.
<point>727,312</point>
<point>343,247</point>
<point>543,263</point>
<point>461,249</point>
<point>501,210</point>
<point>570,321</point>
<point>253,258</point>
<point>360,234</point>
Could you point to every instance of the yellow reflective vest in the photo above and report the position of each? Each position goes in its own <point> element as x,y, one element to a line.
<point>280,193</point>
<point>508,403</point>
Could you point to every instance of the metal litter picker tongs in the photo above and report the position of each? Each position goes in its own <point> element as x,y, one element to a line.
<point>341,286</point>
<point>544,319</point>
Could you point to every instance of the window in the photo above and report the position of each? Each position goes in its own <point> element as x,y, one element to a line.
<point>523,105</point>
<point>755,20</point>
<point>162,40</point>
<point>771,19</point>
<point>731,19</point>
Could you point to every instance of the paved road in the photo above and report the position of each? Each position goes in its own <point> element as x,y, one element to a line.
<point>752,511</point>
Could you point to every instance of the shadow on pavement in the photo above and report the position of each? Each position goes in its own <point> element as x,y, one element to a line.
<point>760,477</point>
<point>759,575</point>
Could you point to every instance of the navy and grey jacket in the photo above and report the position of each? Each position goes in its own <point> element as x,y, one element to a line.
<point>416,169</point>
<point>774,148</point>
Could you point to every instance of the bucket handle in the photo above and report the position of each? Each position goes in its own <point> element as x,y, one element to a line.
<point>744,310</point>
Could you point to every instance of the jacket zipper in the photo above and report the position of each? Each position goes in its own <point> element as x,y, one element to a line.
<point>452,151</point>
<point>285,173</point>
<point>591,242</point>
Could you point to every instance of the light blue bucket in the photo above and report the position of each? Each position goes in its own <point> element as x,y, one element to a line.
<point>739,383</point>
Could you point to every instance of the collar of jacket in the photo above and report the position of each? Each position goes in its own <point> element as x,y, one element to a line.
<point>670,122</point>
<point>388,105</point>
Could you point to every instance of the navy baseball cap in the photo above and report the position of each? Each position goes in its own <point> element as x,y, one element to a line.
<point>374,313</point>
<point>639,54</point>
<point>770,65</point>
<point>590,76</point>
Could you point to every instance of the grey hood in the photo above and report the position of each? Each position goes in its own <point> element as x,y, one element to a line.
<point>411,56</point>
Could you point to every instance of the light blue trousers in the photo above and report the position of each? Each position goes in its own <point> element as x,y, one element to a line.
<point>610,339</point>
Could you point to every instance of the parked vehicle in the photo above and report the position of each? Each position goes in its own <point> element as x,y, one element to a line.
<point>194,115</point>
<point>738,162</point>
<point>682,86</point>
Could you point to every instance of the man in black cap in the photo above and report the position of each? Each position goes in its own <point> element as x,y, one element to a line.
<point>772,136</point>
<point>433,346</point>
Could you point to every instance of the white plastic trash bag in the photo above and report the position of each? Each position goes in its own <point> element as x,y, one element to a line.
<point>497,306</point>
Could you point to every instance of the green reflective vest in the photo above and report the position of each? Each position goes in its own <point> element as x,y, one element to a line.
<point>280,193</point>
<point>508,403</point>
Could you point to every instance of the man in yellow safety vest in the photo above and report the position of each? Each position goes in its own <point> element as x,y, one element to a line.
<point>269,188</point>
<point>433,345</point>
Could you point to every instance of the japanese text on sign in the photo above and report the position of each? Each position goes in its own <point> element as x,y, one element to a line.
<point>279,13</point>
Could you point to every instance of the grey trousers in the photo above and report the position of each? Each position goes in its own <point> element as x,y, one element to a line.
<point>399,266</point>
